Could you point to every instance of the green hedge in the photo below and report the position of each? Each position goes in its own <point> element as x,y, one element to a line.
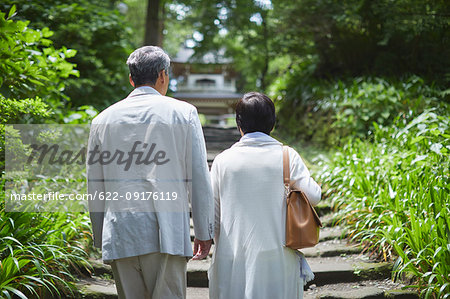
<point>329,113</point>
<point>388,172</point>
<point>393,194</point>
<point>38,251</point>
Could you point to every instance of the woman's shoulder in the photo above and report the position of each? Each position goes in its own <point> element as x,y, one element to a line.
<point>292,152</point>
<point>224,155</point>
<point>295,158</point>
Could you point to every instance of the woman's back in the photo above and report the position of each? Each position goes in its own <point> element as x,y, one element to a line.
<point>252,194</point>
<point>250,260</point>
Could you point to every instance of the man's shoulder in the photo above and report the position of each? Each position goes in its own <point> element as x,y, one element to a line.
<point>155,102</point>
<point>102,117</point>
<point>180,104</point>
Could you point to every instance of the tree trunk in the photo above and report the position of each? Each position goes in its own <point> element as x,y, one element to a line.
<point>153,24</point>
<point>266,54</point>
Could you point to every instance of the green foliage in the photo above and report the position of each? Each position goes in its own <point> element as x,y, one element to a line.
<point>345,38</point>
<point>245,30</point>
<point>329,113</point>
<point>176,28</point>
<point>100,36</point>
<point>30,66</point>
<point>393,194</point>
<point>82,115</point>
<point>360,37</point>
<point>23,111</point>
<point>31,74</point>
<point>39,251</point>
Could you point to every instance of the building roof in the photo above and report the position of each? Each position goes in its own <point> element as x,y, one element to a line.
<point>207,95</point>
<point>185,55</point>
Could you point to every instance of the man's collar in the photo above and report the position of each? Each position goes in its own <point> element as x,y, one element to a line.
<point>141,90</point>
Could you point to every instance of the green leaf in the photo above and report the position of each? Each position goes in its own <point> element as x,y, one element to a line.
<point>15,291</point>
<point>38,267</point>
<point>416,139</point>
<point>436,147</point>
<point>6,293</point>
<point>443,288</point>
<point>12,12</point>
<point>70,53</point>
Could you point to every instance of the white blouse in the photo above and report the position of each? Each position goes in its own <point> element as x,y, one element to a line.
<point>250,259</point>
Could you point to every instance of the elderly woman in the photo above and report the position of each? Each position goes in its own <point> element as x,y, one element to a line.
<point>250,259</point>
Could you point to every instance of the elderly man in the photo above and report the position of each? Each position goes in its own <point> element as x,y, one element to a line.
<point>146,168</point>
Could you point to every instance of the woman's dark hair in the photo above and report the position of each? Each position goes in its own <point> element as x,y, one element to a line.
<point>255,112</point>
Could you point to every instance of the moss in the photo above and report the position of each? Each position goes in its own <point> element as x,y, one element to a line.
<point>373,270</point>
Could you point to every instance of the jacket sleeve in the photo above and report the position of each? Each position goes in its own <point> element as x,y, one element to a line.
<point>301,178</point>
<point>202,197</point>
<point>95,187</point>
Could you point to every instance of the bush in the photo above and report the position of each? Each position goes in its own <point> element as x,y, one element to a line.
<point>29,64</point>
<point>100,36</point>
<point>38,251</point>
<point>393,195</point>
<point>330,113</point>
<point>31,74</point>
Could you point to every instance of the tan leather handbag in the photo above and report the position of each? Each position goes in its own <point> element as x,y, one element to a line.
<point>302,221</point>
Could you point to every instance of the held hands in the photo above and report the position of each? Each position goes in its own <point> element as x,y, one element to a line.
<point>201,249</point>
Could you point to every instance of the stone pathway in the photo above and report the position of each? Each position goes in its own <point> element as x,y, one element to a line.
<point>341,271</point>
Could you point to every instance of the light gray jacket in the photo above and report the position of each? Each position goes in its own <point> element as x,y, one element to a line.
<point>149,199</point>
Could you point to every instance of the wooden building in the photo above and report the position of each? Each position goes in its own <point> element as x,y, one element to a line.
<point>209,83</point>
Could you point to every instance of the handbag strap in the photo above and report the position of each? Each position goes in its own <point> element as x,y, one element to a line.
<point>286,170</point>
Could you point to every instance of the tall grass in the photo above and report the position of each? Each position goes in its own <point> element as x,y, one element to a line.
<point>40,251</point>
<point>393,193</point>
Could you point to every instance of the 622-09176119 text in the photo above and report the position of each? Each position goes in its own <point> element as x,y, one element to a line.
<point>136,195</point>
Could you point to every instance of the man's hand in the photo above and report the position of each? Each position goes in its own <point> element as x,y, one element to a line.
<point>201,249</point>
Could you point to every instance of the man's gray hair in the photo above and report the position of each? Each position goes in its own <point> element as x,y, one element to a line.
<point>146,63</point>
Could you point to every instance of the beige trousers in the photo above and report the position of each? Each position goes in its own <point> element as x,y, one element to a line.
<point>153,276</point>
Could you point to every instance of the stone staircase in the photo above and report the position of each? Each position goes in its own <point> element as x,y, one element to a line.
<point>341,270</point>
<point>219,138</point>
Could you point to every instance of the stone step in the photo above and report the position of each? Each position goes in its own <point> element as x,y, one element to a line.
<point>326,233</point>
<point>330,244</point>
<point>97,288</point>
<point>351,268</point>
<point>333,247</point>
<point>368,289</point>
<point>99,268</point>
<point>217,138</point>
<point>332,232</point>
<point>197,293</point>
<point>328,220</point>
<point>330,247</point>
<point>326,270</point>
<point>346,291</point>
<point>323,208</point>
<point>346,268</point>
<point>336,248</point>
<point>197,273</point>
